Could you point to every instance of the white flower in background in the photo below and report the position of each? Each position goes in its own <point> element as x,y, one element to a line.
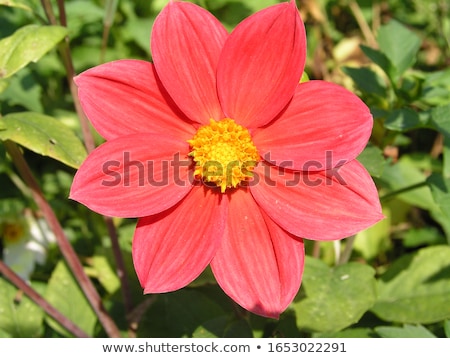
<point>26,240</point>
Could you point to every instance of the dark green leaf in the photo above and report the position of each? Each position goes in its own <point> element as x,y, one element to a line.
<point>366,80</point>
<point>180,314</point>
<point>335,297</point>
<point>43,135</point>
<point>379,58</point>
<point>28,44</point>
<point>373,160</point>
<point>416,287</point>
<point>402,120</point>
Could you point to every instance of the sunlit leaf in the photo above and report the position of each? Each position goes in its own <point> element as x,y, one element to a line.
<point>428,235</point>
<point>416,287</point>
<point>407,331</point>
<point>15,3</point>
<point>64,293</point>
<point>43,135</point>
<point>374,240</point>
<point>102,271</point>
<point>440,188</point>
<point>405,173</point>
<point>399,45</point>
<point>335,297</point>
<point>447,328</point>
<point>440,118</point>
<point>24,91</point>
<point>28,44</point>
<point>349,333</point>
<point>19,316</point>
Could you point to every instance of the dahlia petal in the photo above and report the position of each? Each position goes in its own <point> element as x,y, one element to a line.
<point>172,248</point>
<point>323,126</point>
<point>125,97</point>
<point>186,45</point>
<point>261,65</point>
<point>258,264</point>
<point>325,205</point>
<point>134,176</point>
<point>290,254</point>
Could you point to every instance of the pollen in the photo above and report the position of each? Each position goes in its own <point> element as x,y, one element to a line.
<point>224,153</point>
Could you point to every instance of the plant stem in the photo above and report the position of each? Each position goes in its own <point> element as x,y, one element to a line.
<point>121,272</point>
<point>362,23</point>
<point>394,193</point>
<point>63,243</point>
<point>17,281</point>
<point>345,256</point>
<point>90,145</point>
<point>64,50</point>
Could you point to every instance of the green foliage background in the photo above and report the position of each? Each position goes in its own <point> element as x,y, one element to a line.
<point>392,280</point>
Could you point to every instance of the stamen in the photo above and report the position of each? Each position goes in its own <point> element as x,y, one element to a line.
<point>224,153</point>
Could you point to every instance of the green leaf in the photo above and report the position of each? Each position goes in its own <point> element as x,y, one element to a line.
<point>28,44</point>
<point>407,331</point>
<point>19,316</point>
<point>366,80</point>
<point>379,58</point>
<point>428,235</point>
<point>402,120</point>
<point>405,173</point>
<point>180,314</point>
<point>440,118</point>
<point>446,157</point>
<point>335,297</point>
<point>348,333</point>
<point>64,293</point>
<point>15,3</point>
<point>440,189</point>
<point>436,88</point>
<point>447,328</point>
<point>102,271</point>
<point>44,135</point>
<point>23,91</point>
<point>373,160</point>
<point>399,45</point>
<point>374,240</point>
<point>223,327</point>
<point>416,287</point>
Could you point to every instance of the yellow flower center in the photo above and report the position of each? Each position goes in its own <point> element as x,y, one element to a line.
<point>12,232</point>
<point>224,153</point>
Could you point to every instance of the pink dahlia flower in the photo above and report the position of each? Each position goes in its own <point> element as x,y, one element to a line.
<point>224,157</point>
